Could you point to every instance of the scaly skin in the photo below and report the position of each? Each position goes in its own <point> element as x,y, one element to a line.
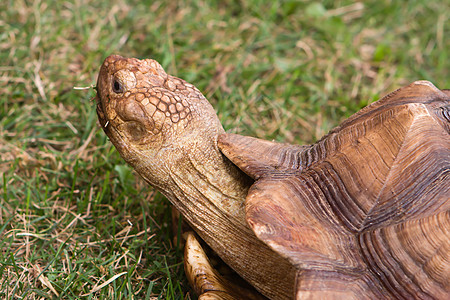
<point>167,131</point>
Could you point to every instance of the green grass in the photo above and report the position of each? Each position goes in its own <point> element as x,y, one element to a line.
<point>75,223</point>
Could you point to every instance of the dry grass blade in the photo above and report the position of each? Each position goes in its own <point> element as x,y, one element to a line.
<point>44,280</point>
<point>97,288</point>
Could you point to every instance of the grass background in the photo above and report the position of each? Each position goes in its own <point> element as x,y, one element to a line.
<point>75,223</point>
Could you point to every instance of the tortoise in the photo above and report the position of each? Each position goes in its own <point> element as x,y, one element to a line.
<point>361,214</point>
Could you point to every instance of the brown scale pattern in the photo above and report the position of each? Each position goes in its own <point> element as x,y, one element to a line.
<point>169,105</point>
<point>162,95</point>
<point>162,104</point>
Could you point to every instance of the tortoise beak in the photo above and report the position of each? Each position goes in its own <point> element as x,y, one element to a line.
<point>99,109</point>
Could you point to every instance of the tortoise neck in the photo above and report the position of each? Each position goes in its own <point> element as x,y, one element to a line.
<point>209,191</point>
<point>207,178</point>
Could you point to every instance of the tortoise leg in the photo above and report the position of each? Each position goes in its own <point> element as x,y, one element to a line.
<point>205,280</point>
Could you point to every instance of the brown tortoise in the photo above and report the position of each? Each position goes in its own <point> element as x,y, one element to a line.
<point>363,213</point>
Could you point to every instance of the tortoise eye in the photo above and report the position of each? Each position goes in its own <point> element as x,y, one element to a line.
<point>117,87</point>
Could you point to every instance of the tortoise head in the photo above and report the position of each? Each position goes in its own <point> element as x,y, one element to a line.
<point>152,118</point>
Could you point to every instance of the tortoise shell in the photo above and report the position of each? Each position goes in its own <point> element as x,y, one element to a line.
<point>364,212</point>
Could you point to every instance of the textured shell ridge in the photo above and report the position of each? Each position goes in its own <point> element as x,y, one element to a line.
<point>372,195</point>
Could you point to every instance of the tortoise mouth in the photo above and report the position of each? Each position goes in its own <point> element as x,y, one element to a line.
<point>100,112</point>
